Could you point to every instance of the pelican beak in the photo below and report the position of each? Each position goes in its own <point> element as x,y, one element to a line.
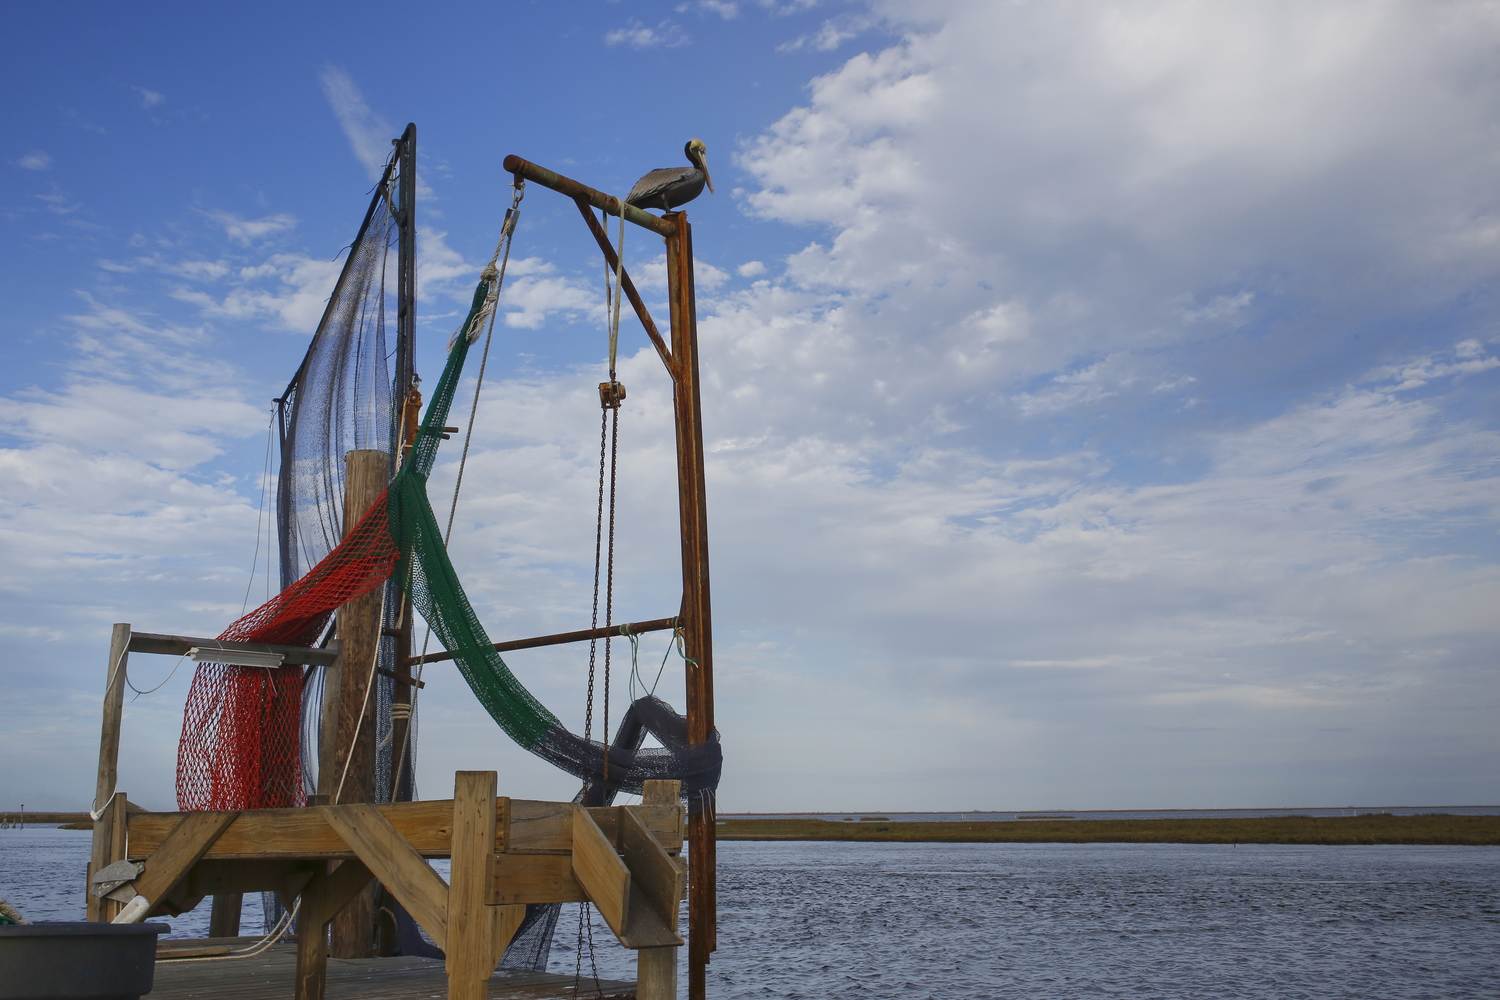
<point>703,161</point>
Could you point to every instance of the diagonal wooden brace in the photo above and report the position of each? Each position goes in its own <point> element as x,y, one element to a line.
<point>169,864</point>
<point>396,863</point>
<point>631,894</point>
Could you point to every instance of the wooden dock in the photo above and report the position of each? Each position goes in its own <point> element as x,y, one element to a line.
<point>272,975</point>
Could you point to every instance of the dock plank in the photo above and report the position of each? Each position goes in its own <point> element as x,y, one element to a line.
<point>271,976</point>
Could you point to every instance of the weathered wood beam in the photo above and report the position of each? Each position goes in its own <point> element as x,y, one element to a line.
<point>522,826</point>
<point>170,863</point>
<point>535,878</point>
<point>395,863</point>
<point>600,871</point>
<point>178,645</point>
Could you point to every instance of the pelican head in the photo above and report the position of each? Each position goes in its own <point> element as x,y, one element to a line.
<point>697,155</point>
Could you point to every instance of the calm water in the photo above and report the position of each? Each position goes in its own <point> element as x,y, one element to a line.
<point>1033,921</point>
<point>1002,817</point>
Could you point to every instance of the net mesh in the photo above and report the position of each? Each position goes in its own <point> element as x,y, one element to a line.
<point>240,746</point>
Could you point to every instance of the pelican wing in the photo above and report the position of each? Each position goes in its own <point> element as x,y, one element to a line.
<point>653,184</point>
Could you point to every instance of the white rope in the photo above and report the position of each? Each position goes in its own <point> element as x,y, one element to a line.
<point>139,692</point>
<point>363,707</point>
<point>496,278</point>
<point>488,312</point>
<point>265,477</point>
<point>282,926</point>
<point>614,322</point>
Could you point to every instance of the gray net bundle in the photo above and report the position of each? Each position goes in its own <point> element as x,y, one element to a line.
<point>339,400</point>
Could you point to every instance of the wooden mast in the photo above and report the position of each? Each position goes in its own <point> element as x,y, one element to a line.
<point>408,404</point>
<point>681,361</point>
<point>697,620</point>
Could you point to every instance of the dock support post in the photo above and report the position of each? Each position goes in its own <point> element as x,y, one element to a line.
<point>471,933</point>
<point>224,918</point>
<point>321,899</point>
<point>367,472</point>
<point>109,759</point>
<point>656,968</point>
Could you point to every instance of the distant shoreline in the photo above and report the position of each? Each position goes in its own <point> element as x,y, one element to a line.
<point>1367,829</point>
<point>46,818</point>
<point>1370,828</point>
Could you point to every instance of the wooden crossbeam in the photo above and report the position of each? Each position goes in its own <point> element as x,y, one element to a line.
<point>535,878</point>
<point>178,645</point>
<point>521,826</point>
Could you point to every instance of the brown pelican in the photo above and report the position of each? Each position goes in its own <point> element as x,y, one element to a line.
<point>668,187</point>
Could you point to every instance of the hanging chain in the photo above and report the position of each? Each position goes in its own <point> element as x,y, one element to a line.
<point>609,588</point>
<point>611,394</point>
<point>588,717</point>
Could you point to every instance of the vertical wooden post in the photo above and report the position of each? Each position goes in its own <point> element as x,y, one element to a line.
<point>656,968</point>
<point>224,917</point>
<point>471,932</point>
<point>109,758</point>
<point>696,617</point>
<point>352,774</point>
<point>110,840</point>
<point>312,950</point>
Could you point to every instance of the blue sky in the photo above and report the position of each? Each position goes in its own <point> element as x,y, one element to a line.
<point>1101,397</point>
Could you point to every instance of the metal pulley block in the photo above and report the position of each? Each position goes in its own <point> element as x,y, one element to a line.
<point>611,394</point>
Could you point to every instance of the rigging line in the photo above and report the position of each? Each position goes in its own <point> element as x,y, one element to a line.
<point>139,692</point>
<point>492,300</point>
<point>265,472</point>
<point>614,324</point>
<point>491,303</point>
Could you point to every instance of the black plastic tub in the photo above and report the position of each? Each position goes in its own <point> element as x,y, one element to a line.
<point>77,961</point>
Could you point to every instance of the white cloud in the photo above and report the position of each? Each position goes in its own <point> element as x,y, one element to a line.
<point>831,34</point>
<point>291,288</point>
<point>728,11</point>
<point>750,269</point>
<point>149,98</point>
<point>248,231</point>
<point>369,135</point>
<point>534,293</point>
<point>35,160</point>
<point>636,35</point>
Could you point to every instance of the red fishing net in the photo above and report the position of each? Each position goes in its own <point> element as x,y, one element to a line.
<point>241,729</point>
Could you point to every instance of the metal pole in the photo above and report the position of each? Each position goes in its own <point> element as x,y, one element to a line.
<point>696,617</point>
<point>661,225</point>
<point>611,631</point>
